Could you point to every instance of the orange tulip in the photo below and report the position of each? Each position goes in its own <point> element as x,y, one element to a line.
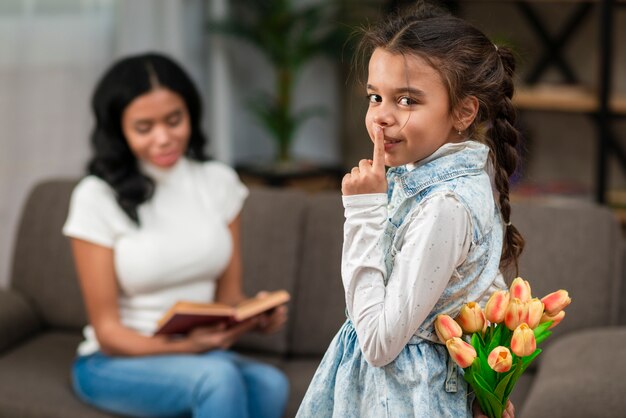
<point>500,359</point>
<point>523,341</point>
<point>496,306</point>
<point>555,302</point>
<point>471,318</point>
<point>520,289</point>
<point>461,352</point>
<point>447,328</point>
<point>515,313</point>
<point>555,319</point>
<point>534,312</point>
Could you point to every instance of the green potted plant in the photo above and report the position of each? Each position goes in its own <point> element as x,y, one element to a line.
<point>288,36</point>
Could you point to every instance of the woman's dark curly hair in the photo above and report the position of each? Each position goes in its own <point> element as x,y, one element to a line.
<point>113,161</point>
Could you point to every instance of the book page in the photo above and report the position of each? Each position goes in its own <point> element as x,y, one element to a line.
<point>257,305</point>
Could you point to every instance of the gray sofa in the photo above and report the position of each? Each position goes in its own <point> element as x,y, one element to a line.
<point>292,240</point>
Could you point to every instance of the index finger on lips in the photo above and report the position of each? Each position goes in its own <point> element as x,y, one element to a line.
<point>379,148</point>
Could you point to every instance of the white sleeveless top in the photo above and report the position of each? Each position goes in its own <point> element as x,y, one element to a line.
<point>180,248</point>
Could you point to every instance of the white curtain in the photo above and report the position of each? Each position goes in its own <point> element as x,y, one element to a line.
<point>53,52</point>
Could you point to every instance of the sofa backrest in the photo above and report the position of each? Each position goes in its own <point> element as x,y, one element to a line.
<point>320,302</point>
<point>43,267</point>
<point>577,247</point>
<point>271,237</point>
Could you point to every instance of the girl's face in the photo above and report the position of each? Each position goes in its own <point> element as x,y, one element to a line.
<point>157,128</point>
<point>408,99</point>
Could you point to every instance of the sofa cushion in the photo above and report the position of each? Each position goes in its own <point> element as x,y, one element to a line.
<point>581,375</point>
<point>17,319</point>
<point>35,379</point>
<point>271,233</point>
<point>319,294</point>
<point>576,247</point>
<point>43,267</point>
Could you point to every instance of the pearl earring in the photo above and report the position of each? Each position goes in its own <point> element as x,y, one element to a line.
<point>460,132</point>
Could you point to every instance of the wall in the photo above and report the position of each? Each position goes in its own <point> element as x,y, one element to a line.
<point>561,147</point>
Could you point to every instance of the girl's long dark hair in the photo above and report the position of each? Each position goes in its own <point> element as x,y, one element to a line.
<point>470,65</point>
<point>112,158</point>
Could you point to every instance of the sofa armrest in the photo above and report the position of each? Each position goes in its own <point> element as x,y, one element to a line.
<point>17,319</point>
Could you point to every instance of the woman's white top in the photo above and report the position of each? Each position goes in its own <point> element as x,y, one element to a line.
<point>178,251</point>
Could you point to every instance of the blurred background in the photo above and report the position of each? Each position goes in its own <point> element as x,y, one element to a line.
<point>284,106</point>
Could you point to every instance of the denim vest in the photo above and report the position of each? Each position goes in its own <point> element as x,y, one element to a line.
<point>463,173</point>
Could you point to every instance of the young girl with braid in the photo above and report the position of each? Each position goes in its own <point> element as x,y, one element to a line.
<point>431,234</point>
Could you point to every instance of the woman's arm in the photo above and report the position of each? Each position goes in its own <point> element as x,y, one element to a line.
<point>95,267</point>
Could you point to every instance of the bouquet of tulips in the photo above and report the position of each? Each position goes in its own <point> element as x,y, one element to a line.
<point>504,339</point>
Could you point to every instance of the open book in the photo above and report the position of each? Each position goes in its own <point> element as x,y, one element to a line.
<point>184,316</point>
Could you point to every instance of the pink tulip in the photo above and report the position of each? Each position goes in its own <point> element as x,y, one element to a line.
<point>534,312</point>
<point>496,306</point>
<point>461,352</point>
<point>471,318</point>
<point>555,302</point>
<point>447,328</point>
<point>520,289</point>
<point>555,319</point>
<point>500,359</point>
<point>515,313</point>
<point>523,341</point>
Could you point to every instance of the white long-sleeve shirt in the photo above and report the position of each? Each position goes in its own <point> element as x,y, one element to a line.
<point>436,242</point>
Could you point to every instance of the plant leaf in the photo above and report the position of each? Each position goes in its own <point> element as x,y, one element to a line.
<point>528,359</point>
<point>495,338</point>
<point>502,385</point>
<point>517,372</point>
<point>495,406</point>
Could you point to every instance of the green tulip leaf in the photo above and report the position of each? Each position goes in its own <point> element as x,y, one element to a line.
<point>542,328</point>
<point>481,383</point>
<point>542,337</point>
<point>528,359</point>
<point>495,406</point>
<point>495,338</point>
<point>503,384</point>
<point>517,372</point>
<point>485,406</point>
<point>488,373</point>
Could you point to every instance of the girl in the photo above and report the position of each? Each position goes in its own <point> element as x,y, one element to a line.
<point>154,223</point>
<point>435,232</point>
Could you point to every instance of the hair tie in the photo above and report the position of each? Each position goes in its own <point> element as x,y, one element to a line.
<point>508,224</point>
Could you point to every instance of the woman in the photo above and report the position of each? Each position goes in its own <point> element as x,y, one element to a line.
<point>154,223</point>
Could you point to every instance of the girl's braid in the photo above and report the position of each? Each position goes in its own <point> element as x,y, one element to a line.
<point>503,138</point>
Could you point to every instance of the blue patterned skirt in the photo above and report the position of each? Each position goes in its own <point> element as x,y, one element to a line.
<point>420,382</point>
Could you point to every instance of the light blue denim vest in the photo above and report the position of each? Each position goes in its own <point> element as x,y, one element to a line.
<point>464,174</point>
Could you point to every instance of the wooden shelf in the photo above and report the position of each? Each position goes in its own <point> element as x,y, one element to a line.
<point>564,98</point>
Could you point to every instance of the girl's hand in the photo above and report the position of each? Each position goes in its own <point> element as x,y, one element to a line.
<point>369,176</point>
<point>509,411</point>
<point>273,320</point>
<point>209,338</point>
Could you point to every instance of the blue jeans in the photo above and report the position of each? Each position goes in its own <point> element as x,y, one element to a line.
<point>214,384</point>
